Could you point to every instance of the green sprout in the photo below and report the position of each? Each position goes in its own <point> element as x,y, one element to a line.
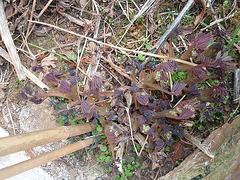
<point>141,57</point>
<point>103,148</point>
<point>167,148</point>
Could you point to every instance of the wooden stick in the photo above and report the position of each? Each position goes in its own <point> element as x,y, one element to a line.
<point>15,143</point>
<point>164,37</point>
<point>44,9</point>
<point>28,73</point>
<point>7,38</point>
<point>40,160</point>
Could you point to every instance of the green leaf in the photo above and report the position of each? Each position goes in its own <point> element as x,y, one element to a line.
<point>99,129</point>
<point>148,46</point>
<point>137,165</point>
<point>141,57</point>
<point>103,148</point>
<point>74,123</point>
<point>102,157</point>
<point>61,122</point>
<point>110,169</point>
<point>234,34</point>
<point>132,159</point>
<point>200,127</point>
<point>167,148</point>
<point>130,167</point>
<point>108,159</point>
<point>71,154</point>
<point>128,173</point>
<point>73,56</point>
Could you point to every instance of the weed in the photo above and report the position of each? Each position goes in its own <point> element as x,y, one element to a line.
<point>103,148</point>
<point>167,148</point>
<point>141,57</point>
<point>148,46</point>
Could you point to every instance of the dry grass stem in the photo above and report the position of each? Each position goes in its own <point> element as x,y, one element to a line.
<point>119,48</point>
<point>8,41</point>
<point>28,73</point>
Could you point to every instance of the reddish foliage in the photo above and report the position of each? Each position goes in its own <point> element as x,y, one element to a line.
<point>177,151</point>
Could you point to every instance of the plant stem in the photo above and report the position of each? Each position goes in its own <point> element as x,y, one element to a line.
<point>47,50</point>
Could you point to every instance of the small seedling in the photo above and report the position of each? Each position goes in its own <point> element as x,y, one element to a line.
<point>103,148</point>
<point>167,148</point>
<point>99,128</point>
<point>108,159</point>
<point>148,46</point>
<point>71,154</point>
<point>132,159</point>
<point>72,56</point>
<point>141,57</point>
<point>137,165</point>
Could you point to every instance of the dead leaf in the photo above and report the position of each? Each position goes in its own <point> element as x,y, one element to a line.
<point>178,152</point>
<point>49,61</point>
<point>119,155</point>
<point>200,16</point>
<point>128,98</point>
<point>82,2</point>
<point>42,31</point>
<point>92,46</point>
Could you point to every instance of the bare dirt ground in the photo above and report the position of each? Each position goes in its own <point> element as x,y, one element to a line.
<point>31,117</point>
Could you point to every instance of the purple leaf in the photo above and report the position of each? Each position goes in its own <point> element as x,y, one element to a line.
<point>200,73</point>
<point>128,68</point>
<point>218,92</point>
<point>186,114</point>
<point>204,60</point>
<point>58,73</point>
<point>134,88</point>
<point>169,66</point>
<point>111,134</point>
<point>95,85</point>
<point>96,82</point>
<point>85,107</point>
<point>90,114</point>
<point>193,89</point>
<point>183,104</point>
<point>28,90</point>
<point>202,40</point>
<point>177,88</point>
<point>36,100</point>
<point>73,79</point>
<point>222,62</point>
<point>165,128</point>
<point>23,95</point>
<point>150,131</point>
<point>142,99</point>
<point>118,93</point>
<point>159,145</point>
<point>65,86</point>
<point>72,72</point>
<point>36,68</point>
<point>142,119</point>
<point>149,114</point>
<point>169,142</point>
<point>50,77</point>
<point>146,129</point>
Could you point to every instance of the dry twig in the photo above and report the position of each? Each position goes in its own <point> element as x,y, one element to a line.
<point>203,147</point>
<point>119,48</point>
<point>31,76</point>
<point>7,38</point>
